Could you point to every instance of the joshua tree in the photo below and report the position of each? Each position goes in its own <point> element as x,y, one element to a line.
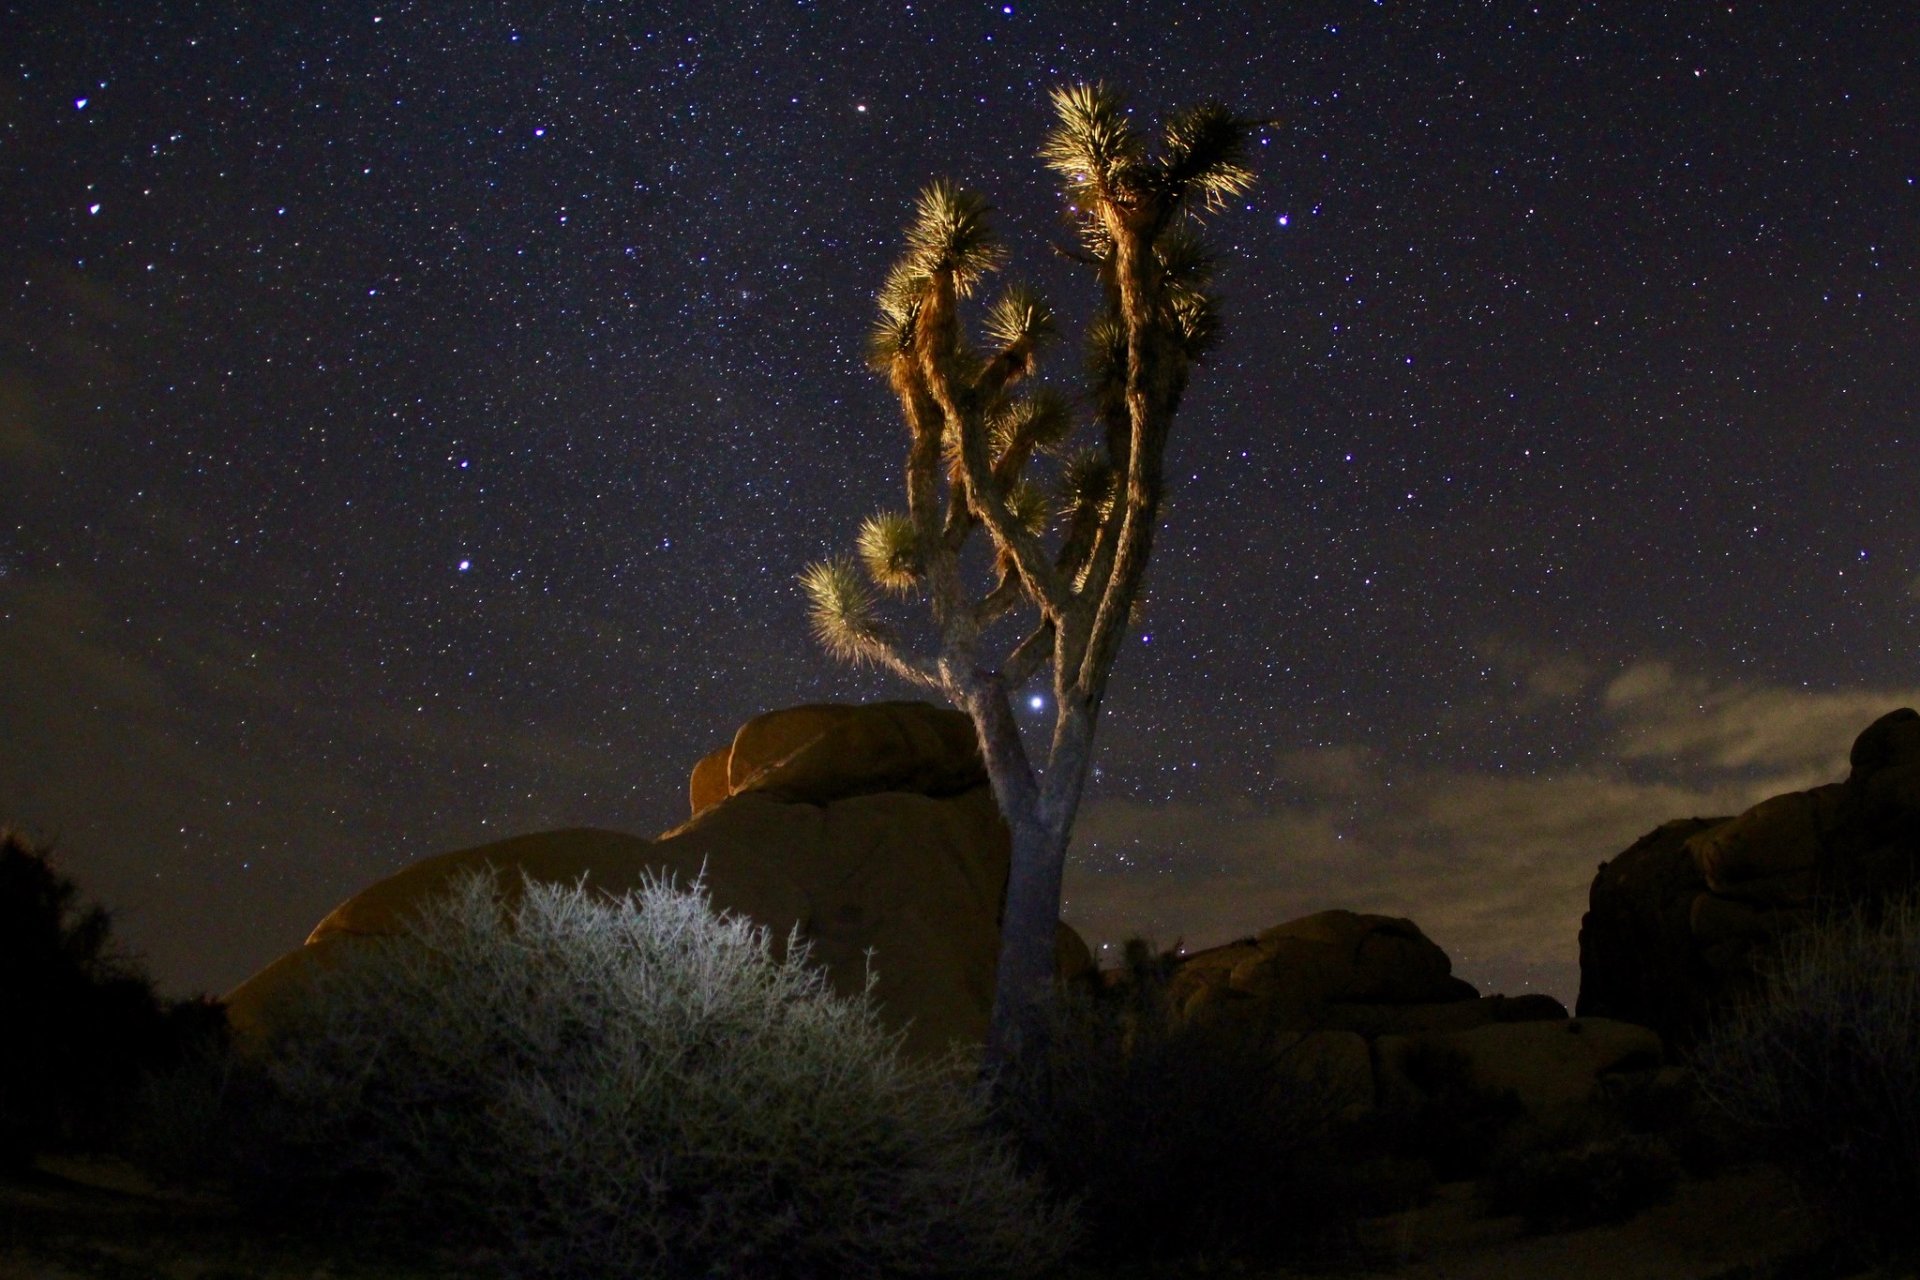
<point>975,436</point>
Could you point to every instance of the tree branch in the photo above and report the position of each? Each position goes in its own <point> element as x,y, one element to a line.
<point>1029,656</point>
<point>983,496</point>
<point>994,605</point>
<point>1140,312</point>
<point>884,653</point>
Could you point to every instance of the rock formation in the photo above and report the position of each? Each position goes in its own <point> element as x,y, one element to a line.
<point>1677,924</point>
<point>863,828</point>
<point>1349,999</point>
<point>871,830</point>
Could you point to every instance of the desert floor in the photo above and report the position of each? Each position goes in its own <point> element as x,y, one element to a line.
<point>95,1220</point>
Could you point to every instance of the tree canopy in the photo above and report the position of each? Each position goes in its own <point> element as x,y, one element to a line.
<point>1067,490</point>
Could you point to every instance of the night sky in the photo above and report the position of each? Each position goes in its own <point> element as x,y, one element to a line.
<point>413,419</point>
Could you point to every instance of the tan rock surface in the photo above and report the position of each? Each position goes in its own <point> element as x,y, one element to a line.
<point>1772,841</point>
<point>1291,974</point>
<point>821,832</point>
<point>816,754</point>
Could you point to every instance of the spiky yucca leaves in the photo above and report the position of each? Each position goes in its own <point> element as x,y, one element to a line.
<point>1039,423</point>
<point>1030,507</point>
<point>1204,157</point>
<point>1186,260</point>
<point>1196,322</point>
<point>1108,172</point>
<point>890,551</point>
<point>1019,318</point>
<point>1093,147</point>
<point>950,232</point>
<point>1086,483</point>
<point>1084,495</point>
<point>900,301</point>
<point>841,608</point>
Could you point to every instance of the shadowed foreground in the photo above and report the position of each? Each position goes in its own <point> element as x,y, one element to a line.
<point>97,1219</point>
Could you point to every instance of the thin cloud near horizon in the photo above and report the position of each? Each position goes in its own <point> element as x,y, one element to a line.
<point>1494,865</point>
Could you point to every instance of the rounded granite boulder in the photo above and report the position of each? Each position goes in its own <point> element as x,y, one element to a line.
<point>868,833</point>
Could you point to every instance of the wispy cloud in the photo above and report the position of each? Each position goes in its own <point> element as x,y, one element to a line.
<point>1493,864</point>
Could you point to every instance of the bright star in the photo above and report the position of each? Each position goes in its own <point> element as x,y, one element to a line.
<point>465,565</point>
<point>1037,702</point>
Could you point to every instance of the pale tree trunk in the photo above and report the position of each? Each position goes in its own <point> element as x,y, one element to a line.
<point>1039,815</point>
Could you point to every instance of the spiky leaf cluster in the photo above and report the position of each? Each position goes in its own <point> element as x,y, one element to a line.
<point>1108,173</point>
<point>1086,483</point>
<point>1019,317</point>
<point>950,232</point>
<point>841,609</point>
<point>1030,507</point>
<point>1094,147</point>
<point>889,549</point>
<point>901,298</point>
<point>1039,423</point>
<point>1203,157</point>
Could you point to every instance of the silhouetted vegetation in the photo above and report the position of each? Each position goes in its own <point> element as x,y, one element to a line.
<point>1822,1069</point>
<point>1560,1181</point>
<point>1179,1140</point>
<point>80,1022</point>
<point>577,1085</point>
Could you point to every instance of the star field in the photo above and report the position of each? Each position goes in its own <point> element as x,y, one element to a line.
<point>413,418</point>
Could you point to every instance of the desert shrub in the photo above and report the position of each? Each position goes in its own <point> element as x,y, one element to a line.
<point>79,1021</point>
<point>1667,1104</point>
<point>631,1086</point>
<point>1177,1139</point>
<point>1822,1068</point>
<point>1558,1181</point>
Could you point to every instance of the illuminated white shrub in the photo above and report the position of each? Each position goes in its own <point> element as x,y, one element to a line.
<point>633,1087</point>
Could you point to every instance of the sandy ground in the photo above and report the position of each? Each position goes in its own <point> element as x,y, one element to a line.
<point>94,1220</point>
<point>1745,1217</point>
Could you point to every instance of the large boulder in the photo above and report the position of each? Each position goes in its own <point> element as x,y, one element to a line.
<point>1679,924</point>
<point>1773,852</point>
<point>1324,989</point>
<point>1290,975</point>
<point>866,830</point>
<point>1551,1068</point>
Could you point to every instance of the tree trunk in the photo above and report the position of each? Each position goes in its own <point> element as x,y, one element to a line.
<point>1023,983</point>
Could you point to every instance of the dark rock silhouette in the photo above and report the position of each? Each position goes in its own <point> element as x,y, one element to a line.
<point>1351,999</point>
<point>1677,924</point>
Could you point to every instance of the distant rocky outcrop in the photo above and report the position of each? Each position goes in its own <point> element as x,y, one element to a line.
<point>867,829</point>
<point>1351,1000</point>
<point>1678,922</point>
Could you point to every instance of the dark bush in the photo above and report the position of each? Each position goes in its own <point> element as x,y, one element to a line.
<point>1557,1182</point>
<point>1822,1069</point>
<point>586,1086</point>
<point>79,1022</point>
<point>1178,1139</point>
<point>1668,1105</point>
